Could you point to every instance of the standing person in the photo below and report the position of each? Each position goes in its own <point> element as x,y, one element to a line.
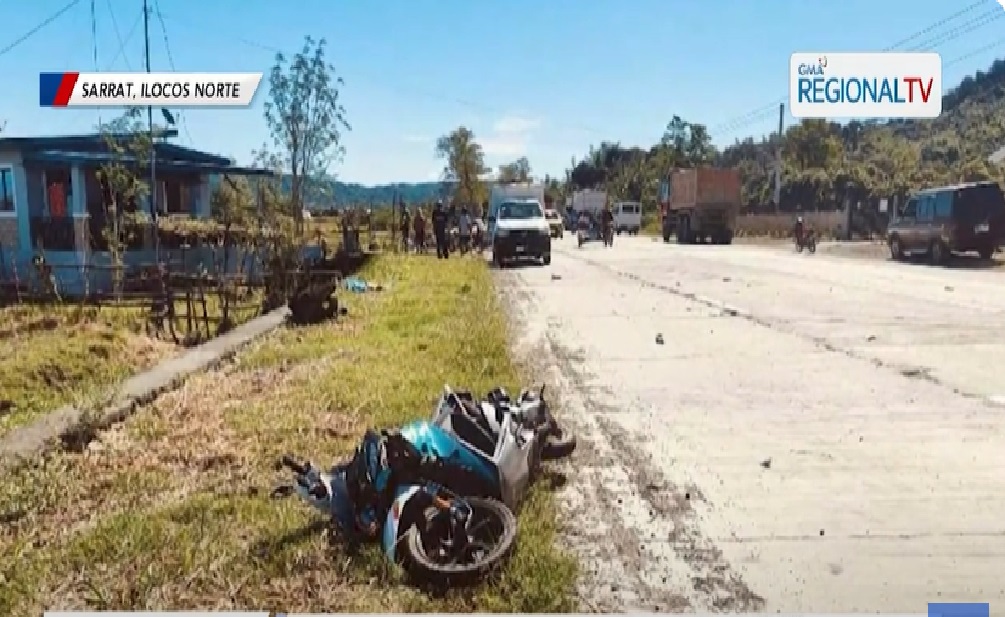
<point>607,225</point>
<point>405,227</point>
<point>440,231</point>
<point>419,223</point>
<point>464,230</point>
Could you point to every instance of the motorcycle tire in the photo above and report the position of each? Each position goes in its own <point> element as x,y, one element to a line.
<point>559,443</point>
<point>423,569</point>
<point>799,247</point>
<point>811,246</point>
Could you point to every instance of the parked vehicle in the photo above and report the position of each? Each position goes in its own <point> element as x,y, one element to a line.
<point>627,217</point>
<point>700,204</point>
<point>951,219</point>
<point>520,232</point>
<point>554,223</point>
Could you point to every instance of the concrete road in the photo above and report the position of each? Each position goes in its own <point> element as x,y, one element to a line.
<point>814,434</point>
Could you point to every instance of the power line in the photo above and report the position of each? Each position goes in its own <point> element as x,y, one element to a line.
<point>938,24</point>
<point>48,20</point>
<point>767,111</point>
<point>965,28</point>
<point>118,34</point>
<point>429,94</point>
<point>975,52</point>
<point>94,45</point>
<point>125,41</point>
<point>170,56</point>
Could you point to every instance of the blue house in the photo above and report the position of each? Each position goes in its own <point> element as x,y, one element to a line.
<point>53,205</point>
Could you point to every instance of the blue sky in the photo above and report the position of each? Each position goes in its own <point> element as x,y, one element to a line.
<point>541,78</point>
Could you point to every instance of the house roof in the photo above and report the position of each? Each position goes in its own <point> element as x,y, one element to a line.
<point>99,158</point>
<point>94,148</point>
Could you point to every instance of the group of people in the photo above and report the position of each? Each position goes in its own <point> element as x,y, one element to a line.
<point>444,221</point>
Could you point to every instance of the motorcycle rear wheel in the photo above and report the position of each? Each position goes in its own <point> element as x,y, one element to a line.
<point>489,515</point>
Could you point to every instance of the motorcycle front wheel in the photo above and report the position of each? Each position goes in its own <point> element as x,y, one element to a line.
<point>811,246</point>
<point>491,536</point>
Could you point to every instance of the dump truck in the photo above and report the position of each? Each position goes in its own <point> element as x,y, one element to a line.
<point>700,205</point>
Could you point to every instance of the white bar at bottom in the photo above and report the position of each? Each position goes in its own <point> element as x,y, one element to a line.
<point>643,614</point>
<point>156,613</point>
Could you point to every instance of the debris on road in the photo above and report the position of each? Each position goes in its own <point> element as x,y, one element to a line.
<point>659,339</point>
<point>766,463</point>
<point>358,285</point>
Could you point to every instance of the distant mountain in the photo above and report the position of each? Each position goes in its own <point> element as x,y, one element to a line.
<point>335,194</point>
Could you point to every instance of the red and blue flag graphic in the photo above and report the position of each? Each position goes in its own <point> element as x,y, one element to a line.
<point>55,89</point>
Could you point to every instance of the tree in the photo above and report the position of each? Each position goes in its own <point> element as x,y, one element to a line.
<point>812,144</point>
<point>517,171</point>
<point>123,186</point>
<point>464,164</point>
<point>306,119</point>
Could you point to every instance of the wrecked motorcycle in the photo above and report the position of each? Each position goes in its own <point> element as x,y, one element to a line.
<point>430,499</point>
<point>514,435</point>
<point>530,411</point>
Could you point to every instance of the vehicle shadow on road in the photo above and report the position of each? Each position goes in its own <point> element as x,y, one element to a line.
<point>958,262</point>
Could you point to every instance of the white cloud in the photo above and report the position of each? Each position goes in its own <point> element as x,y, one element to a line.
<point>416,139</point>
<point>515,125</point>
<point>505,145</point>
<point>510,136</point>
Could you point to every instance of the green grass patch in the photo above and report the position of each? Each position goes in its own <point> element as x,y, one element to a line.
<point>170,510</point>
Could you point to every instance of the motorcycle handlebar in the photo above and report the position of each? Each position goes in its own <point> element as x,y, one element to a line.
<point>291,463</point>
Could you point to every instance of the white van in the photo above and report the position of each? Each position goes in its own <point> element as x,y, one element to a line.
<point>627,216</point>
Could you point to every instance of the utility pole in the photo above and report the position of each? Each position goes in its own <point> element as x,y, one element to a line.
<point>153,142</point>
<point>777,198</point>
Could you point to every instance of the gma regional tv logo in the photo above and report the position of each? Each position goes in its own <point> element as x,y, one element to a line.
<point>865,85</point>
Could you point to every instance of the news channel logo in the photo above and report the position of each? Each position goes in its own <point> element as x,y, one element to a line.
<point>865,85</point>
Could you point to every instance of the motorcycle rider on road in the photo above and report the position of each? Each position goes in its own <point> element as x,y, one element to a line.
<point>798,230</point>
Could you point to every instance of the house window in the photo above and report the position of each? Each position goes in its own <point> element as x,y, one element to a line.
<point>177,198</point>
<point>6,189</point>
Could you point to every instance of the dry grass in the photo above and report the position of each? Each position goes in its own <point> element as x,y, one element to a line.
<point>170,508</point>
<point>60,354</point>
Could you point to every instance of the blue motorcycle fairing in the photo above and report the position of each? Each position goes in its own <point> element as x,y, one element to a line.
<point>390,535</point>
<point>431,440</point>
